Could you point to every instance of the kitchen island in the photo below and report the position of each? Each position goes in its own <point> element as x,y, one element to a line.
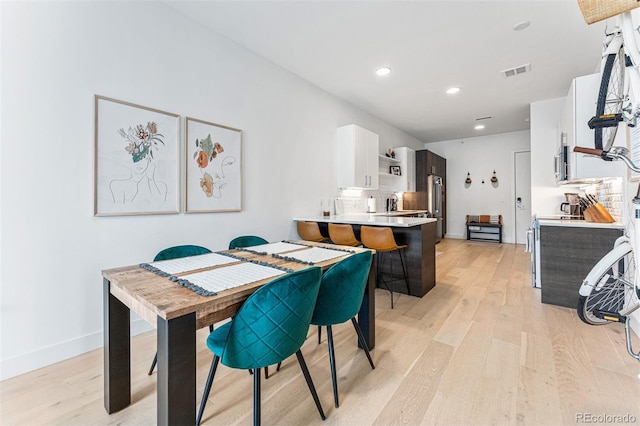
<point>415,232</point>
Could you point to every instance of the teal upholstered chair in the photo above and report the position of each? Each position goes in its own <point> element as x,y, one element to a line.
<point>176,252</point>
<point>246,241</point>
<point>339,300</point>
<point>270,326</point>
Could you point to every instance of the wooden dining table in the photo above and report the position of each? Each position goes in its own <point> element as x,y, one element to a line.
<point>178,312</point>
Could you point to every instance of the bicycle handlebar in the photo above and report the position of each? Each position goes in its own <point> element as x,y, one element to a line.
<point>590,151</point>
<point>615,153</point>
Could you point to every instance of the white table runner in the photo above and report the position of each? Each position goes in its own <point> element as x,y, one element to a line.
<point>316,254</point>
<point>191,263</point>
<point>279,247</point>
<point>216,280</point>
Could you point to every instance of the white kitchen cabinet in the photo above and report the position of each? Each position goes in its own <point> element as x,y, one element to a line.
<point>407,157</point>
<point>573,130</point>
<point>357,158</point>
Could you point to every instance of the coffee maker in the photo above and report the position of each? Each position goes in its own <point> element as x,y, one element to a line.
<point>572,208</point>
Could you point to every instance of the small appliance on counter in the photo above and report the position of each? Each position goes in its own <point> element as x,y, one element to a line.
<point>392,203</point>
<point>572,208</point>
<point>371,205</point>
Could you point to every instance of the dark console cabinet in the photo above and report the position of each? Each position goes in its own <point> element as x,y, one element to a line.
<point>567,254</point>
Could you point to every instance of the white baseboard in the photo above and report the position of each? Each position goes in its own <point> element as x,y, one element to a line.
<point>59,352</point>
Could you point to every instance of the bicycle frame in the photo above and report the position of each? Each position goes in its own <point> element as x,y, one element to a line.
<point>624,34</point>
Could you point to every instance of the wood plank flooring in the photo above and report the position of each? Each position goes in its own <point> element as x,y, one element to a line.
<point>479,349</point>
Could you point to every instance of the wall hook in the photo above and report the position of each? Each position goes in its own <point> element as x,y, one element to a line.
<point>494,178</point>
<point>468,179</point>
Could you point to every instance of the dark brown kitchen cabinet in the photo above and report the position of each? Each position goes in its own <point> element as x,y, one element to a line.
<point>430,163</point>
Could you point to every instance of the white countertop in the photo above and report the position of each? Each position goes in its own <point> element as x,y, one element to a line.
<point>579,223</point>
<point>374,219</point>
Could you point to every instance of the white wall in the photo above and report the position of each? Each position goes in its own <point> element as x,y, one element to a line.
<point>55,57</point>
<point>480,156</point>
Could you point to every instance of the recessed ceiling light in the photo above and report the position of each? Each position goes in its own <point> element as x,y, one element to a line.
<point>383,71</point>
<point>453,90</point>
<point>521,25</point>
<point>479,127</point>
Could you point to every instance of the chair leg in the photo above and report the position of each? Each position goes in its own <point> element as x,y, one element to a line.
<point>363,343</point>
<point>312,388</point>
<point>256,397</point>
<point>207,388</point>
<point>153,364</point>
<point>379,277</point>
<point>332,362</point>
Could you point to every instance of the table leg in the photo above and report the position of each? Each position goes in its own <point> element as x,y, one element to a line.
<point>367,314</point>
<point>117,352</point>
<point>177,370</point>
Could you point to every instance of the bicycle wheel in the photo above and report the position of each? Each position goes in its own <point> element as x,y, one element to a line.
<point>610,98</point>
<point>608,287</point>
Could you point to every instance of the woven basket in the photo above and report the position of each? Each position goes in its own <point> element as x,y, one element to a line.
<point>597,10</point>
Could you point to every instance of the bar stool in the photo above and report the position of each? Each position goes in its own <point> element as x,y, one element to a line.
<point>310,231</point>
<point>381,239</point>
<point>343,235</point>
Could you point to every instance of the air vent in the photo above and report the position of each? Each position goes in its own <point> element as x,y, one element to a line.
<point>516,70</point>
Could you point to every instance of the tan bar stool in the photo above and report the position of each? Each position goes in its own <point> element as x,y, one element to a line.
<point>342,234</point>
<point>310,231</point>
<point>381,239</point>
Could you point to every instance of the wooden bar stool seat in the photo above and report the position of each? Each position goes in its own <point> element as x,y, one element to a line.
<point>342,234</point>
<point>381,239</point>
<point>310,231</point>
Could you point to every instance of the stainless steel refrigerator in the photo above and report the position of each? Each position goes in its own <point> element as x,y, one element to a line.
<point>435,192</point>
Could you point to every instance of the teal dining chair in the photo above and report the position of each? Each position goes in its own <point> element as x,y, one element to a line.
<point>271,325</point>
<point>176,252</point>
<point>246,241</point>
<point>339,300</point>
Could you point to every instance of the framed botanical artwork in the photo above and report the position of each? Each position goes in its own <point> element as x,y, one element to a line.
<point>136,159</point>
<point>214,167</point>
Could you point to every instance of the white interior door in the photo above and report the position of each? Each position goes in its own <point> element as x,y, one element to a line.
<point>522,201</point>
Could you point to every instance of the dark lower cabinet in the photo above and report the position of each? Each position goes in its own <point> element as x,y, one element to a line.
<point>567,254</point>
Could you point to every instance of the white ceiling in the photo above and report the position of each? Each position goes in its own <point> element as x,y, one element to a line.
<point>430,46</point>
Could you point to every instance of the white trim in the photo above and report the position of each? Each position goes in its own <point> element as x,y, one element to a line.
<point>55,353</point>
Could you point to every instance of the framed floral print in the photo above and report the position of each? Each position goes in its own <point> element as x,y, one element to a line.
<point>136,159</point>
<point>214,167</point>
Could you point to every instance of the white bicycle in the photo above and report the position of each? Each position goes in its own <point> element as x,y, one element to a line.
<point>619,94</point>
<point>611,290</point>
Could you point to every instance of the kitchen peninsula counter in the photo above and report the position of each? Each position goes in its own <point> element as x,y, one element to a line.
<point>417,233</point>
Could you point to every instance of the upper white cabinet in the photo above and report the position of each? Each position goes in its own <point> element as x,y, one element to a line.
<point>407,157</point>
<point>573,130</point>
<point>357,158</point>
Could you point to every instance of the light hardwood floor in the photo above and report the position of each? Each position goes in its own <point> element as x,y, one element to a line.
<point>479,349</point>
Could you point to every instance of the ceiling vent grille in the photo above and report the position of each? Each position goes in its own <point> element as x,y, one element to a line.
<point>511,72</point>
